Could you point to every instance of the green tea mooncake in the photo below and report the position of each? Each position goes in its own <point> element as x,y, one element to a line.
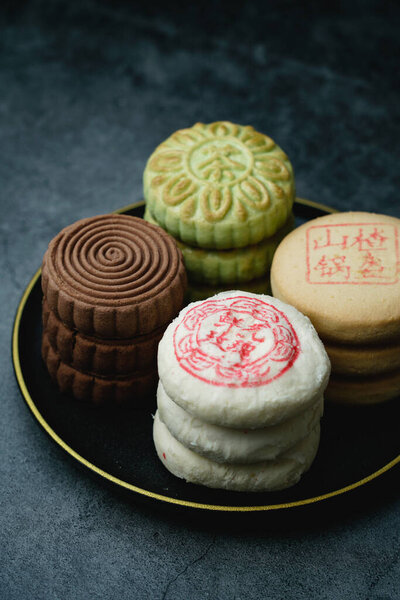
<point>236,265</point>
<point>219,185</point>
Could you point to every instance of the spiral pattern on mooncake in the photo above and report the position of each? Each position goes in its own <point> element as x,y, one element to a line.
<point>113,276</point>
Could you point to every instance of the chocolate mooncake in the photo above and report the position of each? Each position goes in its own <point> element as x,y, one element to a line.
<point>130,390</point>
<point>113,276</point>
<point>94,355</point>
<point>111,285</point>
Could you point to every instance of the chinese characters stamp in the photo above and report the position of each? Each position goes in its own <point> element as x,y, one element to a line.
<point>236,342</point>
<point>352,253</point>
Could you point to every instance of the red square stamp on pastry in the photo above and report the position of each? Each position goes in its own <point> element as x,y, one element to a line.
<point>353,253</point>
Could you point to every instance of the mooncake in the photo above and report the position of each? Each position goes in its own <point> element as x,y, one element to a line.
<point>135,389</point>
<point>342,270</point>
<point>113,276</point>
<point>364,360</point>
<point>242,360</point>
<point>100,356</point>
<point>110,285</point>
<point>237,265</point>
<point>219,185</point>
<point>364,390</point>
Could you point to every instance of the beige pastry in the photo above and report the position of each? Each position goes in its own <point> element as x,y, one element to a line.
<point>367,390</point>
<point>363,360</point>
<point>342,270</point>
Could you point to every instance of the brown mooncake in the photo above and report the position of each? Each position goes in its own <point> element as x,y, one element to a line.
<point>132,390</point>
<point>113,276</point>
<point>102,357</point>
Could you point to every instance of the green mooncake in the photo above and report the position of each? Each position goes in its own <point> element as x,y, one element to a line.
<point>222,267</point>
<point>219,185</point>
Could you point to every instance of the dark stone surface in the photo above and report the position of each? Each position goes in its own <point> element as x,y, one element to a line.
<point>87,91</point>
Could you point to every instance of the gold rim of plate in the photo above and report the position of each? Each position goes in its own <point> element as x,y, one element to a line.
<point>133,488</point>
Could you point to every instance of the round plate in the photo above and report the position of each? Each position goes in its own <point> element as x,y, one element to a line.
<point>357,444</point>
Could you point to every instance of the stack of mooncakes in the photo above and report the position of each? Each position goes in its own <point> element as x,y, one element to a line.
<point>225,192</point>
<point>342,271</point>
<point>111,284</point>
<point>240,397</point>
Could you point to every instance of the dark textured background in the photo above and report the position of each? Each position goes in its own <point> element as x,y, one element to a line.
<point>87,90</point>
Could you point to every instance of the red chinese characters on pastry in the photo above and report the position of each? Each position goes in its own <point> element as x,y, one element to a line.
<point>236,342</point>
<point>353,253</point>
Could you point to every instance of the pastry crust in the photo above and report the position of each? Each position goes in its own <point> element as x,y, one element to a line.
<point>256,477</point>
<point>366,390</point>
<point>363,360</point>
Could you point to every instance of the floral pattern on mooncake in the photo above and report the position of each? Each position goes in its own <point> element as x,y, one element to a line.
<point>219,185</point>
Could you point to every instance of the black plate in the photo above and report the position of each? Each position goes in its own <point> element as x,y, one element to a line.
<point>357,444</point>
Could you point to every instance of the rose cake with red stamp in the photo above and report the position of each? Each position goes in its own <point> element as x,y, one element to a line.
<point>242,378</point>
<point>343,271</point>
